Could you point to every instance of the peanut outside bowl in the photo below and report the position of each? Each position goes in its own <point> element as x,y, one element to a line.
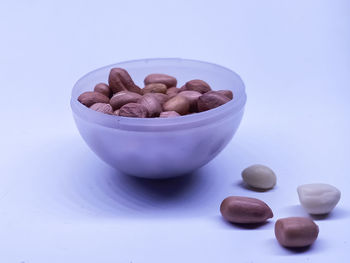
<point>161,147</point>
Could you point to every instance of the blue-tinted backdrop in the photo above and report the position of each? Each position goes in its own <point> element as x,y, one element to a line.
<point>59,203</point>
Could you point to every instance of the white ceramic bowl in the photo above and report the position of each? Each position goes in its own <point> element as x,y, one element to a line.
<point>161,147</point>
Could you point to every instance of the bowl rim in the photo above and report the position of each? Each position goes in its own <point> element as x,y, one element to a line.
<point>230,108</point>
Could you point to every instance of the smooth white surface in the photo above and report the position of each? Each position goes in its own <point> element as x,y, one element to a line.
<point>59,203</point>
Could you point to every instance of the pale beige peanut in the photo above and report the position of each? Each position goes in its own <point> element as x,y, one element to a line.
<point>259,176</point>
<point>318,198</point>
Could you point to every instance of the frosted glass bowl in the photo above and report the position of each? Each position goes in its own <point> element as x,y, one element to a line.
<point>161,147</point>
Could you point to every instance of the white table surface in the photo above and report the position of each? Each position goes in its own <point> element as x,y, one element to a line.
<point>60,203</point>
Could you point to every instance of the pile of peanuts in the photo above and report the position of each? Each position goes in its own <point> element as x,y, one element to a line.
<point>292,232</point>
<point>159,98</point>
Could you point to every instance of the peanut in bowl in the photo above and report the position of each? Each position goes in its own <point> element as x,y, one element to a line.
<point>161,147</point>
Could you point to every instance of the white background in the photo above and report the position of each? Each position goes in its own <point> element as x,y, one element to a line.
<point>59,203</point>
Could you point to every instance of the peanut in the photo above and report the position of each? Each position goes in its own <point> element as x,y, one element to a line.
<point>104,89</point>
<point>197,85</point>
<point>169,81</point>
<point>296,231</point>
<point>178,103</point>
<point>152,105</point>
<point>133,110</point>
<point>172,92</point>
<point>154,88</point>
<point>192,97</point>
<point>227,93</point>
<point>162,98</point>
<point>102,107</point>
<point>211,100</point>
<point>123,97</point>
<point>120,80</point>
<point>91,97</point>
<point>246,210</point>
